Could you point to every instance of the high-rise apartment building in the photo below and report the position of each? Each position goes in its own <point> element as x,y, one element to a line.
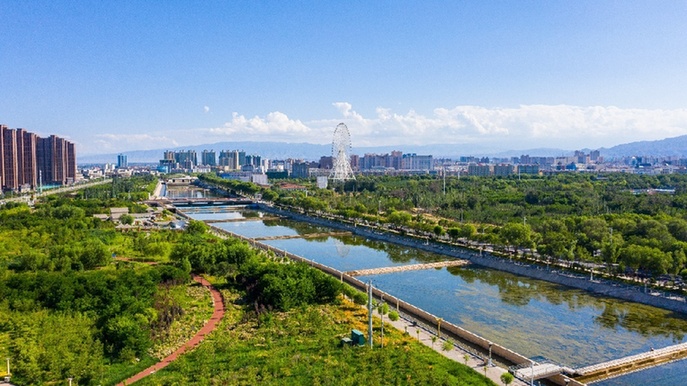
<point>27,160</point>
<point>10,159</point>
<point>122,161</point>
<point>209,158</point>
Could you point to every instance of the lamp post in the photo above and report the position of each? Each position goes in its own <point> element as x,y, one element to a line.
<point>379,209</point>
<point>381,314</point>
<point>490,363</point>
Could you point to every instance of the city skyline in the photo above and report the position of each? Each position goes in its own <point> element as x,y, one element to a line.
<point>123,76</point>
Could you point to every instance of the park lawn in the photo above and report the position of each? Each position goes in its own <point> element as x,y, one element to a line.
<point>301,347</point>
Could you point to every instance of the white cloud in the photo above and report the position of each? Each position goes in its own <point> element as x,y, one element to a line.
<point>526,126</point>
<point>206,109</point>
<point>522,127</point>
<point>105,143</point>
<point>274,126</point>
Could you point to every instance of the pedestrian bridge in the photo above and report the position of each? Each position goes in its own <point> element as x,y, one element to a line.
<point>411,267</point>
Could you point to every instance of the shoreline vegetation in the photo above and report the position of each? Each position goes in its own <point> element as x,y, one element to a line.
<point>624,227</point>
<point>69,309</point>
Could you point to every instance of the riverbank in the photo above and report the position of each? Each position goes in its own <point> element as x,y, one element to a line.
<point>487,259</point>
<point>423,324</point>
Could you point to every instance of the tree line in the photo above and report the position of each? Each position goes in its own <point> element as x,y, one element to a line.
<point>618,219</point>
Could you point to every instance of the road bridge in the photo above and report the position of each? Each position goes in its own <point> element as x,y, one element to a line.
<point>207,201</point>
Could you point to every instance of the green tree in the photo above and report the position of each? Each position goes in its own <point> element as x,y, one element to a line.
<point>126,219</point>
<point>196,228</point>
<point>517,235</point>
<point>399,218</point>
<point>507,378</point>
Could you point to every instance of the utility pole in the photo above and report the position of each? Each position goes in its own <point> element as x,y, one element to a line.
<point>381,313</point>
<point>369,311</point>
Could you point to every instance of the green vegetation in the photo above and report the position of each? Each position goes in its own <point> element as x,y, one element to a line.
<point>612,219</point>
<point>301,347</point>
<point>68,309</point>
<point>507,378</point>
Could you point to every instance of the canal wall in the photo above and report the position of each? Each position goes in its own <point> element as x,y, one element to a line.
<point>486,259</point>
<point>479,345</point>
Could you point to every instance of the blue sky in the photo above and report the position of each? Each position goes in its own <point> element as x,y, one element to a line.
<point>127,75</point>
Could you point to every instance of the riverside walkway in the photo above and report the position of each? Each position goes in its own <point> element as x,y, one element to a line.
<point>629,364</point>
<point>217,315</point>
<point>411,267</point>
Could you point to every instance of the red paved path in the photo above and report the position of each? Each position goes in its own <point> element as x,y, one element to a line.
<point>207,328</point>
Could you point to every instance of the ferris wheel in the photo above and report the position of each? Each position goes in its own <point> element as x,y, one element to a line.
<point>341,153</point>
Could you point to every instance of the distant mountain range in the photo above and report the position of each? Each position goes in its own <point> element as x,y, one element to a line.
<point>669,147</point>
<point>676,146</point>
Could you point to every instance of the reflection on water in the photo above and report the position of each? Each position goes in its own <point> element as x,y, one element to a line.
<point>671,374</point>
<point>269,228</point>
<point>187,192</point>
<point>359,252</point>
<point>532,317</point>
<point>519,291</point>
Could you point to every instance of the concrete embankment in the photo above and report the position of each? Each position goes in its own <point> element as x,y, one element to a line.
<point>477,345</point>
<point>474,344</point>
<point>611,289</point>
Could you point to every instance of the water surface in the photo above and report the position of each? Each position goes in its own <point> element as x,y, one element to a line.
<point>532,317</point>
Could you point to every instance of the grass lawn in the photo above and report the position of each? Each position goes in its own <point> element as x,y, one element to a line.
<point>301,347</point>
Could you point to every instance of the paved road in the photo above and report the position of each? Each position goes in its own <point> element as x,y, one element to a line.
<point>210,326</point>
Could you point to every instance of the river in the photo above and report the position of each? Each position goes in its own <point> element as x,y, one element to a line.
<point>532,317</point>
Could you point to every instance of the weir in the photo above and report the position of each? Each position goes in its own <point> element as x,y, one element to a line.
<point>466,340</point>
<point>411,267</point>
<point>308,236</point>
<point>528,369</point>
<point>240,219</point>
<point>632,363</point>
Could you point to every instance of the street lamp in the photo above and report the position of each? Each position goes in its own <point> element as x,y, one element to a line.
<point>379,209</point>
<point>490,363</point>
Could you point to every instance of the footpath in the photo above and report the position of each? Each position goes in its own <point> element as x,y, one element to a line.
<point>456,354</point>
<point>217,315</point>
